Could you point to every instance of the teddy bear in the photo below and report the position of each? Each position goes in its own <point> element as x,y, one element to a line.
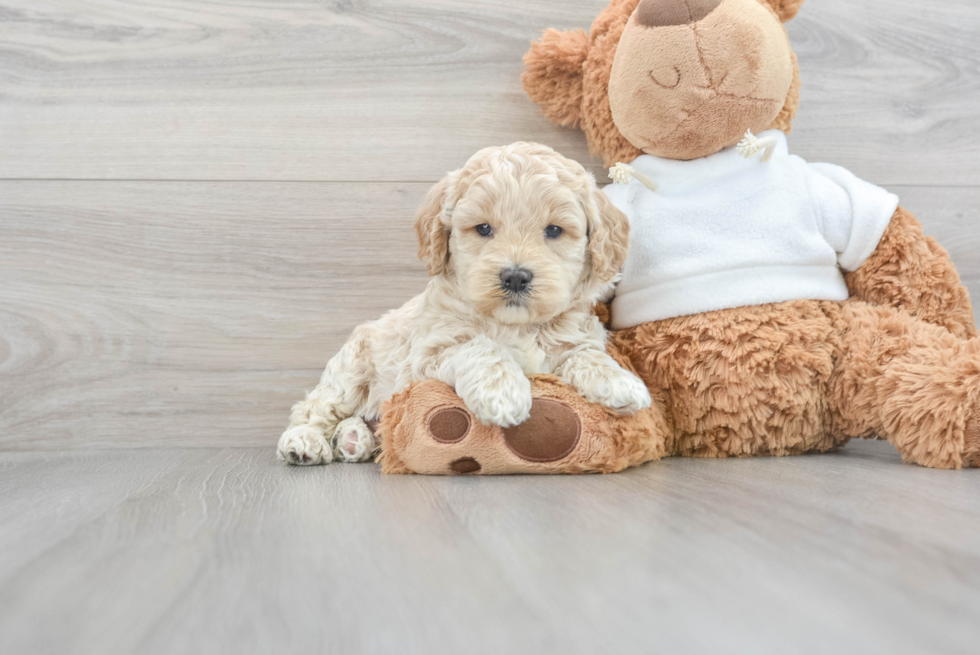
<point>771,306</point>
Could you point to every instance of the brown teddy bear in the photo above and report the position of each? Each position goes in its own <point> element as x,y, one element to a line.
<point>773,307</point>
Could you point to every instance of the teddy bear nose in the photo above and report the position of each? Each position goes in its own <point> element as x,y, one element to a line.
<point>662,13</point>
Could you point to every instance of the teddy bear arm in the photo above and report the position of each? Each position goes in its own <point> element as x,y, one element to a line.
<point>552,75</point>
<point>911,271</point>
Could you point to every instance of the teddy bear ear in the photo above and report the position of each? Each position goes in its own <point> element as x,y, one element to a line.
<point>553,75</point>
<point>785,9</point>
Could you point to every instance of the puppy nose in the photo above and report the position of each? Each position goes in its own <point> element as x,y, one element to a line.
<point>515,279</point>
<point>663,13</point>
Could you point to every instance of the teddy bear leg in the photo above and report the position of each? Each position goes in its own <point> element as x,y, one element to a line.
<point>428,429</point>
<point>910,381</point>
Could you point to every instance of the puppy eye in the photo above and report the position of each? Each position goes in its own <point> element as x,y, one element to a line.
<point>553,231</point>
<point>484,230</point>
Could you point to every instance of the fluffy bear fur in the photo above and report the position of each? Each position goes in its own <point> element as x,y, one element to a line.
<point>807,376</point>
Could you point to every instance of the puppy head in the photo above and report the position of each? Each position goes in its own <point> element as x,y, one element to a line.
<point>523,233</point>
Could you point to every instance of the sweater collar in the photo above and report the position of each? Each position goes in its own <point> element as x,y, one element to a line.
<point>674,176</point>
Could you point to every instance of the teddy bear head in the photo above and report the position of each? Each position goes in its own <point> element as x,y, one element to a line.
<point>679,79</point>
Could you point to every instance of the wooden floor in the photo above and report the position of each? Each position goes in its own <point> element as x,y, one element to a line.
<point>199,199</point>
<point>222,550</point>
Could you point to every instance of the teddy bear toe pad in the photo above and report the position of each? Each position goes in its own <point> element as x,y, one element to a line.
<point>449,425</point>
<point>551,433</point>
<point>465,465</point>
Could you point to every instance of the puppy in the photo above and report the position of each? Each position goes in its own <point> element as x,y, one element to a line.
<point>520,244</point>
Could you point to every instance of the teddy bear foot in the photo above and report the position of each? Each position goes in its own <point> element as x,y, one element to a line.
<point>550,434</point>
<point>445,438</point>
<point>427,429</point>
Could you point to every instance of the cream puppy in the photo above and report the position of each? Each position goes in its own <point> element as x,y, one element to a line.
<point>520,244</point>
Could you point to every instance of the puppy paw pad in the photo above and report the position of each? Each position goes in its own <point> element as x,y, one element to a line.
<point>353,441</point>
<point>449,425</point>
<point>349,443</point>
<point>551,433</point>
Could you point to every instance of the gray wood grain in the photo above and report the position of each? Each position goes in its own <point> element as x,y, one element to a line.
<point>186,313</point>
<point>195,314</point>
<point>226,551</point>
<point>401,90</point>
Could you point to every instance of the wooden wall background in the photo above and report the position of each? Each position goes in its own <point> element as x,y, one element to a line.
<point>200,198</point>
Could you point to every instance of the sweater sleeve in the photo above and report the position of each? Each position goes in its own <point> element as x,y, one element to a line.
<point>852,214</point>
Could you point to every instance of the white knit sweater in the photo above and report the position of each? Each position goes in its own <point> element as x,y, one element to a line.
<point>724,231</point>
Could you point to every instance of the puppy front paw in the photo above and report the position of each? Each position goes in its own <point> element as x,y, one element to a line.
<point>622,392</point>
<point>501,397</point>
<point>304,445</point>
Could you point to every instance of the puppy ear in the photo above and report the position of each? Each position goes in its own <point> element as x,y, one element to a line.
<point>785,9</point>
<point>609,237</point>
<point>432,226</point>
<point>553,76</point>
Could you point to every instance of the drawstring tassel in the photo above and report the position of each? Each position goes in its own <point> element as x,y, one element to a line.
<point>622,174</point>
<point>751,145</point>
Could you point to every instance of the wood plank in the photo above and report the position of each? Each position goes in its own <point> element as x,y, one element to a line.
<point>215,550</point>
<point>889,88</point>
<point>186,313</point>
<point>195,314</point>
<point>403,91</point>
<point>397,90</point>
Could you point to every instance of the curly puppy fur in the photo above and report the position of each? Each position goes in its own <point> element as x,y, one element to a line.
<point>521,209</point>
